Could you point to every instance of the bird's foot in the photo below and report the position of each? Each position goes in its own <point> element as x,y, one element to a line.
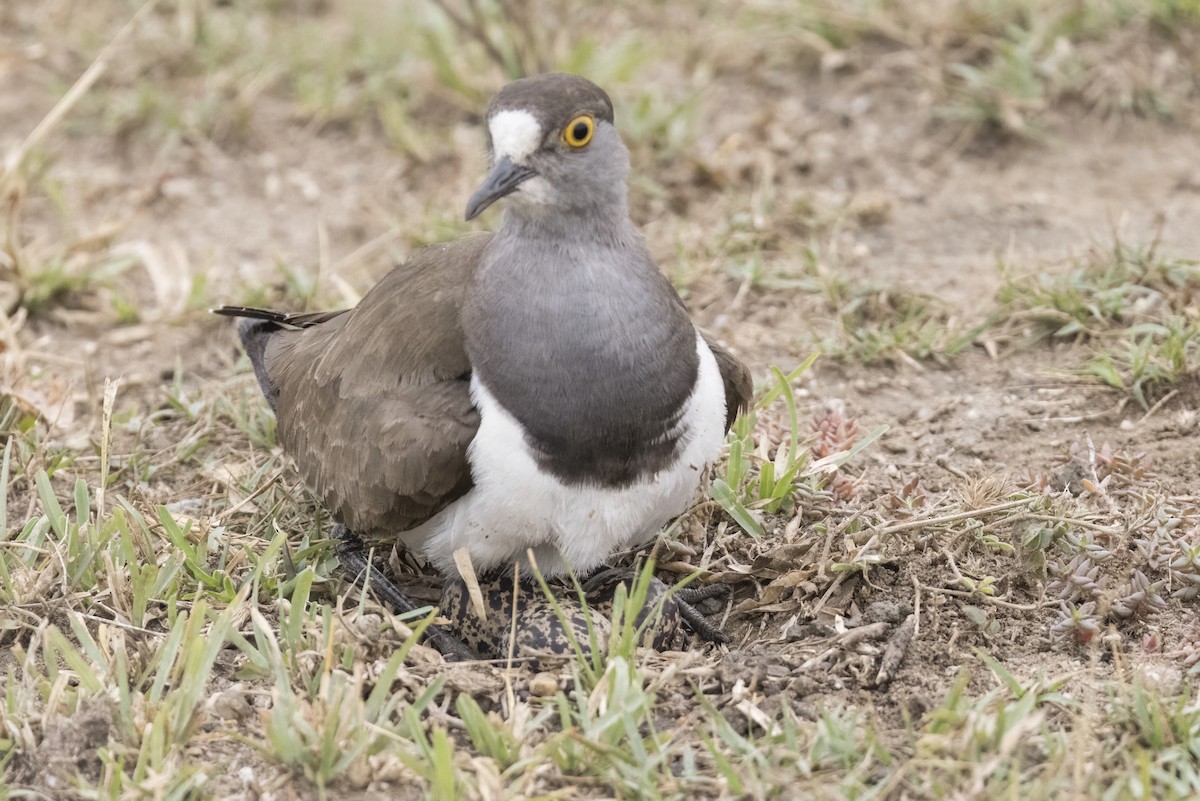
<point>676,606</point>
<point>687,598</point>
<point>355,564</point>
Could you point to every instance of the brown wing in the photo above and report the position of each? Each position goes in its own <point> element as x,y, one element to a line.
<point>374,404</point>
<point>739,388</point>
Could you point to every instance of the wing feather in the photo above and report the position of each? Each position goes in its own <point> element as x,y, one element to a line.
<point>373,402</point>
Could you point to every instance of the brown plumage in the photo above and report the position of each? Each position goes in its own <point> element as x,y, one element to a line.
<point>373,402</point>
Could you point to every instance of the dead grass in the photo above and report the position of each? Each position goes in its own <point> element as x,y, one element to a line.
<point>911,619</point>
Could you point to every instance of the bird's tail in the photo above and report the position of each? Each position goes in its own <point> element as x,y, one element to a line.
<point>256,328</point>
<point>286,320</point>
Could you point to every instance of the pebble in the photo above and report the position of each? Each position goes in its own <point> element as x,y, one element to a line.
<point>231,704</point>
<point>543,685</point>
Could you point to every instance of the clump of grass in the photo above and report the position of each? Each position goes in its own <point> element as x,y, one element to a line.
<point>768,476</point>
<point>1109,288</point>
<point>1133,306</point>
<point>1009,89</point>
<point>1148,357</point>
<point>878,326</point>
<point>1173,15</point>
<point>1003,67</point>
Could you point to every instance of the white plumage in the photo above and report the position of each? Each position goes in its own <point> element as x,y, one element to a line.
<point>515,506</point>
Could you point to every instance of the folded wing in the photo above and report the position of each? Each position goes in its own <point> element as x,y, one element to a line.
<point>373,403</point>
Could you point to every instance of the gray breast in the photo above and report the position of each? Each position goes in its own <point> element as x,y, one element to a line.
<point>590,349</point>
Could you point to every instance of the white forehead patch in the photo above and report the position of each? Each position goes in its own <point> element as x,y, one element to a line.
<point>515,133</point>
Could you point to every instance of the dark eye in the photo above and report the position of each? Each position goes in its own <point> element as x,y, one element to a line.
<point>579,131</point>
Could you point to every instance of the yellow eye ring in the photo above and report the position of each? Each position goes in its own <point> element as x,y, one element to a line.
<point>579,130</point>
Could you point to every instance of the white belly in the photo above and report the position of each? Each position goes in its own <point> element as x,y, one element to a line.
<point>514,506</point>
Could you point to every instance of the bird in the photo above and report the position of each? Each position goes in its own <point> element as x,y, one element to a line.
<point>537,390</point>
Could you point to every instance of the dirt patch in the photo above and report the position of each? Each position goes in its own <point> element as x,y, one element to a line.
<point>69,749</point>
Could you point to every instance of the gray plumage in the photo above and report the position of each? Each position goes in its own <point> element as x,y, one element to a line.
<point>562,315</point>
<point>583,340</point>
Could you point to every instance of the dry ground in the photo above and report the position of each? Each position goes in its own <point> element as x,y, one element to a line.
<point>982,214</point>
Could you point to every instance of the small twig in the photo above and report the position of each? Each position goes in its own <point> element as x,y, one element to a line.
<point>916,607</point>
<point>988,599</point>
<point>14,160</point>
<point>510,696</point>
<point>474,29</point>
<point>958,576</point>
<point>466,570</point>
<point>1162,401</point>
<point>954,633</point>
<point>110,397</point>
<point>53,358</point>
<point>833,585</point>
<point>944,463</point>
<point>818,660</point>
<point>223,516</point>
<point>122,625</point>
<point>20,608</point>
<point>1091,462</point>
<point>829,543</point>
<point>1075,521</point>
<point>896,648</point>
<point>924,522</point>
<point>852,637</point>
<point>22,544</point>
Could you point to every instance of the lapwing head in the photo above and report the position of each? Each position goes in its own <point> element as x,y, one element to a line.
<point>553,149</point>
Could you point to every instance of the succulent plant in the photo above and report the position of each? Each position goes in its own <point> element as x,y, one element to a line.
<point>1140,598</point>
<point>1126,469</point>
<point>1155,548</point>
<point>1078,625</point>
<point>1077,581</point>
<point>1188,651</point>
<point>835,433</point>
<point>1185,571</point>
<point>1087,543</point>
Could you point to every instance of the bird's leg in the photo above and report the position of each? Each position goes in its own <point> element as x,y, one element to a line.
<point>354,561</point>
<point>680,603</point>
<point>686,599</point>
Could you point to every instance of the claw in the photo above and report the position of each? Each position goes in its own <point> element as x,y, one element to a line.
<point>694,595</point>
<point>700,624</point>
<point>353,560</point>
<point>683,600</point>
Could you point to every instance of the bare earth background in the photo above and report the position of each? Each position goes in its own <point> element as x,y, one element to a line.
<point>983,214</point>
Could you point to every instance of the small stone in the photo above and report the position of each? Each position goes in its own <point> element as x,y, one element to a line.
<point>175,187</point>
<point>884,611</point>
<point>837,61</point>
<point>543,685</point>
<point>368,625</point>
<point>231,704</point>
<point>871,210</point>
<point>1162,678</point>
<point>358,774</point>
